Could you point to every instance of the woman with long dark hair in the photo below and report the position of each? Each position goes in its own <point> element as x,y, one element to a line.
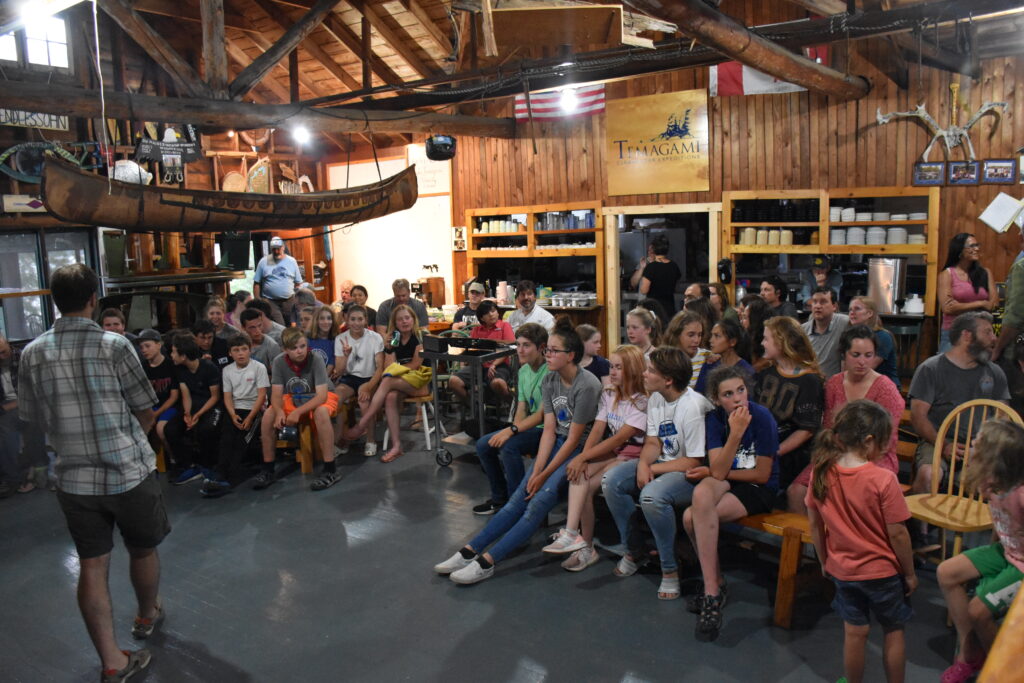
<point>754,311</point>
<point>964,284</point>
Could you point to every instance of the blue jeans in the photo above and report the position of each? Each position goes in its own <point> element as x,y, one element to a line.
<point>515,523</point>
<point>658,500</point>
<point>504,466</point>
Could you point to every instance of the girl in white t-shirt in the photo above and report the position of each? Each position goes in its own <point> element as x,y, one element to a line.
<point>358,367</point>
<point>617,436</point>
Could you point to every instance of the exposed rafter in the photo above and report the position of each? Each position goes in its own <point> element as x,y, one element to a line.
<point>436,34</point>
<point>294,35</point>
<point>185,78</point>
<point>237,54</point>
<point>215,63</point>
<point>184,12</point>
<point>403,46</point>
<point>344,35</point>
<point>224,114</point>
<point>822,7</point>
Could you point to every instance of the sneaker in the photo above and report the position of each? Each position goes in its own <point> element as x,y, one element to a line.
<point>452,564</point>
<point>137,661</point>
<point>581,559</point>
<point>325,481</point>
<point>488,508</point>
<point>214,488</point>
<point>143,628</point>
<point>566,542</point>
<point>370,449</point>
<point>263,480</point>
<point>695,603</point>
<point>961,671</point>
<point>471,573</point>
<point>191,474</point>
<point>709,623</point>
<point>341,450</point>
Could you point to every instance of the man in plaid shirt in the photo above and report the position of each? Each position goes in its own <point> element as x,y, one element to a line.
<point>88,391</point>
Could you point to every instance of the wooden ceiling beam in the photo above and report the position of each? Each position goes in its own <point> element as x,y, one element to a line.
<point>823,7</point>
<point>632,22</point>
<point>185,78</point>
<point>353,43</point>
<point>177,10</point>
<point>439,37</point>
<point>237,54</point>
<point>936,56</point>
<point>400,45</point>
<point>338,141</point>
<point>215,61</point>
<point>295,34</point>
<point>226,114</point>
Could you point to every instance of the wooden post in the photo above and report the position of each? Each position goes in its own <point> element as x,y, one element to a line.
<point>293,75</point>
<point>785,588</point>
<point>215,60</point>
<point>364,27</point>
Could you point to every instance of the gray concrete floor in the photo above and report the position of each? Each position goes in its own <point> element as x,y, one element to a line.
<point>289,585</point>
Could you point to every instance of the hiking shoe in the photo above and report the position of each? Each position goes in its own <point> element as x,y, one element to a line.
<point>191,474</point>
<point>709,623</point>
<point>137,661</point>
<point>581,559</point>
<point>214,488</point>
<point>488,508</point>
<point>325,481</point>
<point>961,671</point>
<point>143,628</point>
<point>471,573</point>
<point>341,450</point>
<point>452,564</point>
<point>263,480</point>
<point>566,542</point>
<point>695,602</point>
<point>370,449</point>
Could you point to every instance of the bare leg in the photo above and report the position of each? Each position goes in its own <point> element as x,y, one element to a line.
<point>893,656</point>
<point>985,628</point>
<point>712,503</point>
<point>387,385</point>
<point>854,642</point>
<point>267,434</point>
<point>392,411</point>
<point>458,387</point>
<point>499,387</point>
<point>324,432</point>
<point>952,574</point>
<point>922,480</point>
<point>144,568</point>
<point>795,495</point>
<point>94,604</point>
<point>345,393</point>
<point>581,512</point>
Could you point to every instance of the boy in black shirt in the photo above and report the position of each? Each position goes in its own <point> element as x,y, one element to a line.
<point>164,377</point>
<point>212,347</point>
<point>199,381</point>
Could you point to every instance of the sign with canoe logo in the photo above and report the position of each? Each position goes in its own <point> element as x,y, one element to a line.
<point>658,144</point>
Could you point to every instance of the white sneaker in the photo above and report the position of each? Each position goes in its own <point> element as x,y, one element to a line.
<point>453,563</point>
<point>370,449</point>
<point>471,573</point>
<point>581,559</point>
<point>566,542</point>
<point>340,450</point>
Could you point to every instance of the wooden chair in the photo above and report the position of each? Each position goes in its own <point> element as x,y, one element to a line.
<point>956,509</point>
<point>795,532</point>
<point>424,402</point>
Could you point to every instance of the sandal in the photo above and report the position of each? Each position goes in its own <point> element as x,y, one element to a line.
<point>625,567</point>
<point>27,487</point>
<point>391,456</point>
<point>669,588</point>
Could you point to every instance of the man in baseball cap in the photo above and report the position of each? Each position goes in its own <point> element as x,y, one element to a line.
<point>275,279</point>
<point>466,316</point>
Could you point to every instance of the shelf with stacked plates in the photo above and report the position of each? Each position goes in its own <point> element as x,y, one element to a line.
<point>870,221</point>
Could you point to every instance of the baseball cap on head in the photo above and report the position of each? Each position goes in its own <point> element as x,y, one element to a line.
<point>150,334</point>
<point>276,242</point>
<point>477,287</point>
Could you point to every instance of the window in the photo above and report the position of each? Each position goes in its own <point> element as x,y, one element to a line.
<point>42,43</point>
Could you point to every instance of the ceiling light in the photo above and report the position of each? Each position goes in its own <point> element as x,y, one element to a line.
<point>301,134</point>
<point>569,101</point>
<point>231,134</point>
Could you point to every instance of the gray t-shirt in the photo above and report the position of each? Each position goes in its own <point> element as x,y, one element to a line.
<point>826,344</point>
<point>301,386</point>
<point>384,311</point>
<point>944,385</point>
<point>266,352</point>
<point>275,332</point>
<point>576,404</point>
<point>245,383</point>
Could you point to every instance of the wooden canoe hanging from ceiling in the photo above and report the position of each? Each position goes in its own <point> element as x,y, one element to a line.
<point>77,196</point>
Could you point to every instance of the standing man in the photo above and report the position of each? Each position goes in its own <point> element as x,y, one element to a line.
<point>401,291</point>
<point>106,469</point>
<point>1013,314</point>
<point>825,327</point>
<point>773,291</point>
<point>466,316</point>
<point>527,310</point>
<point>275,279</point>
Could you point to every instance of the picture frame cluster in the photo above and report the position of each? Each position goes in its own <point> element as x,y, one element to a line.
<point>984,172</point>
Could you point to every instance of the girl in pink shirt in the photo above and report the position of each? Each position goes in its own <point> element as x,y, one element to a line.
<point>858,516</point>
<point>997,470</point>
<point>617,436</point>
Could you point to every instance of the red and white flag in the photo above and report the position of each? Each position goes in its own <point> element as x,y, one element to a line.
<point>563,103</point>
<point>734,78</point>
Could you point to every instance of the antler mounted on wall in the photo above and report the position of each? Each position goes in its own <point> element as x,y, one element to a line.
<point>953,136</point>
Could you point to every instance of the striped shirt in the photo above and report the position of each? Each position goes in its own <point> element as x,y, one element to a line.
<point>81,384</point>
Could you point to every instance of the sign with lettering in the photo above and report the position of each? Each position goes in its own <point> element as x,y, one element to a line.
<point>658,143</point>
<point>32,119</point>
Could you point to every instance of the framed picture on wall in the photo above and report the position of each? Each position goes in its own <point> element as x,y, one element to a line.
<point>999,171</point>
<point>964,172</point>
<point>459,238</point>
<point>929,173</point>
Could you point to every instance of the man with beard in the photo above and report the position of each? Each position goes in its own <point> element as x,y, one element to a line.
<point>944,381</point>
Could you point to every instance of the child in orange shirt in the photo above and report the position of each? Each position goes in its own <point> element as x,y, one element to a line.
<point>858,526</point>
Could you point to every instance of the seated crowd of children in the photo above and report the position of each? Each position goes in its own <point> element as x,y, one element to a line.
<point>721,417</point>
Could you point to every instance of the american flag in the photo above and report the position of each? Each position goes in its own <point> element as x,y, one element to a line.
<point>565,102</point>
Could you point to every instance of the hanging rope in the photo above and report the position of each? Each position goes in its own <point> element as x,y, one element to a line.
<point>103,99</point>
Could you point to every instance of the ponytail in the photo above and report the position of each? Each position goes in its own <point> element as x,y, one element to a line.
<point>827,449</point>
<point>862,426</point>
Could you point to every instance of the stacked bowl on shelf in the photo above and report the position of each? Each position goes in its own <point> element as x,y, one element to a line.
<point>855,235</point>
<point>848,214</point>
<point>875,235</point>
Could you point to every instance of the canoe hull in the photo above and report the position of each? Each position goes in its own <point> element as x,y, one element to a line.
<point>77,196</point>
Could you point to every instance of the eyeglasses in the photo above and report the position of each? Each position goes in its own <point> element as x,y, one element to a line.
<point>972,246</point>
<point>550,350</point>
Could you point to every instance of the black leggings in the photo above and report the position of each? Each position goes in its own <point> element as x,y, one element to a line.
<point>199,445</point>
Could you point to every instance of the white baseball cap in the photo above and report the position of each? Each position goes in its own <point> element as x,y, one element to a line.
<point>276,242</point>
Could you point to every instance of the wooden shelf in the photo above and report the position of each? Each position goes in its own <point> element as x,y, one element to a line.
<point>905,249</point>
<point>522,233</point>
<point>548,253</point>
<point>776,249</point>
<point>538,233</point>
<point>777,224</point>
<point>840,224</point>
<point>500,253</point>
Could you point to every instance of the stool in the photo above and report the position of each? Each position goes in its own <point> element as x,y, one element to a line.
<point>161,461</point>
<point>424,402</point>
<point>307,450</point>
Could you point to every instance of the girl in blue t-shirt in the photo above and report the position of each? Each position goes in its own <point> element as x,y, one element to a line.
<point>322,330</point>
<point>740,479</point>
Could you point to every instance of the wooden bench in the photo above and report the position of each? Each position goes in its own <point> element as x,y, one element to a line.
<point>306,451</point>
<point>795,532</point>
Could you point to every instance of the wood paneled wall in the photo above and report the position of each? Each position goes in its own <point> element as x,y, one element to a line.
<point>790,141</point>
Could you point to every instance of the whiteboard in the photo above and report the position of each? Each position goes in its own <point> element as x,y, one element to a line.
<point>432,177</point>
<point>374,253</point>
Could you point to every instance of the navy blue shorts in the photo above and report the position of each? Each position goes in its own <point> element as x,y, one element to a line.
<point>167,415</point>
<point>354,381</point>
<point>886,598</point>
